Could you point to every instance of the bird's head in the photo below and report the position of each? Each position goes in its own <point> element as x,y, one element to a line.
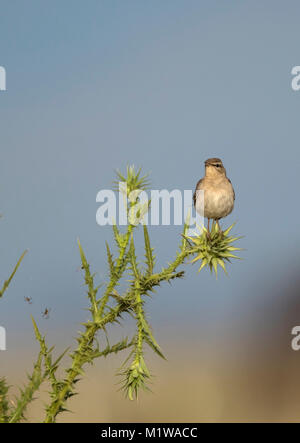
<point>214,167</point>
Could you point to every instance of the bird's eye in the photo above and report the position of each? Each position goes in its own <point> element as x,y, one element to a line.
<point>217,166</point>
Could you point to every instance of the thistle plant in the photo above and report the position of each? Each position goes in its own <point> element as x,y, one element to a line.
<point>5,405</point>
<point>8,281</point>
<point>111,302</point>
<point>214,249</point>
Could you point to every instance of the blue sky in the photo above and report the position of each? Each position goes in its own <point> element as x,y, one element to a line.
<point>93,86</point>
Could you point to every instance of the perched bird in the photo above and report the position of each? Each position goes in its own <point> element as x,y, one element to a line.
<point>219,194</point>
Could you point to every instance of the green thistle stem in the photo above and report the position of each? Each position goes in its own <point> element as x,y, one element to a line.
<point>118,274</point>
<point>7,282</point>
<point>79,360</point>
<point>26,396</point>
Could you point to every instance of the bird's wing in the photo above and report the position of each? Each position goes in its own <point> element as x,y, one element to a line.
<point>195,193</point>
<point>232,188</point>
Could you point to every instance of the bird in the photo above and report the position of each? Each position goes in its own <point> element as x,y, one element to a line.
<point>219,195</point>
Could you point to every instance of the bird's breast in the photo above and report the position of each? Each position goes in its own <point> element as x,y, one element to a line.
<point>218,200</point>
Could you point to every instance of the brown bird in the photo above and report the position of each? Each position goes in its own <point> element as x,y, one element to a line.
<point>219,194</point>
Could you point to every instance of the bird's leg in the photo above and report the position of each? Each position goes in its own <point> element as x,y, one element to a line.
<point>208,230</point>
<point>219,228</point>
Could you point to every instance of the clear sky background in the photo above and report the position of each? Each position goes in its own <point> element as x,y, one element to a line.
<point>93,86</point>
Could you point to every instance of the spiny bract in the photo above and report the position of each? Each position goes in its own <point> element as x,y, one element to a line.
<point>214,248</point>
